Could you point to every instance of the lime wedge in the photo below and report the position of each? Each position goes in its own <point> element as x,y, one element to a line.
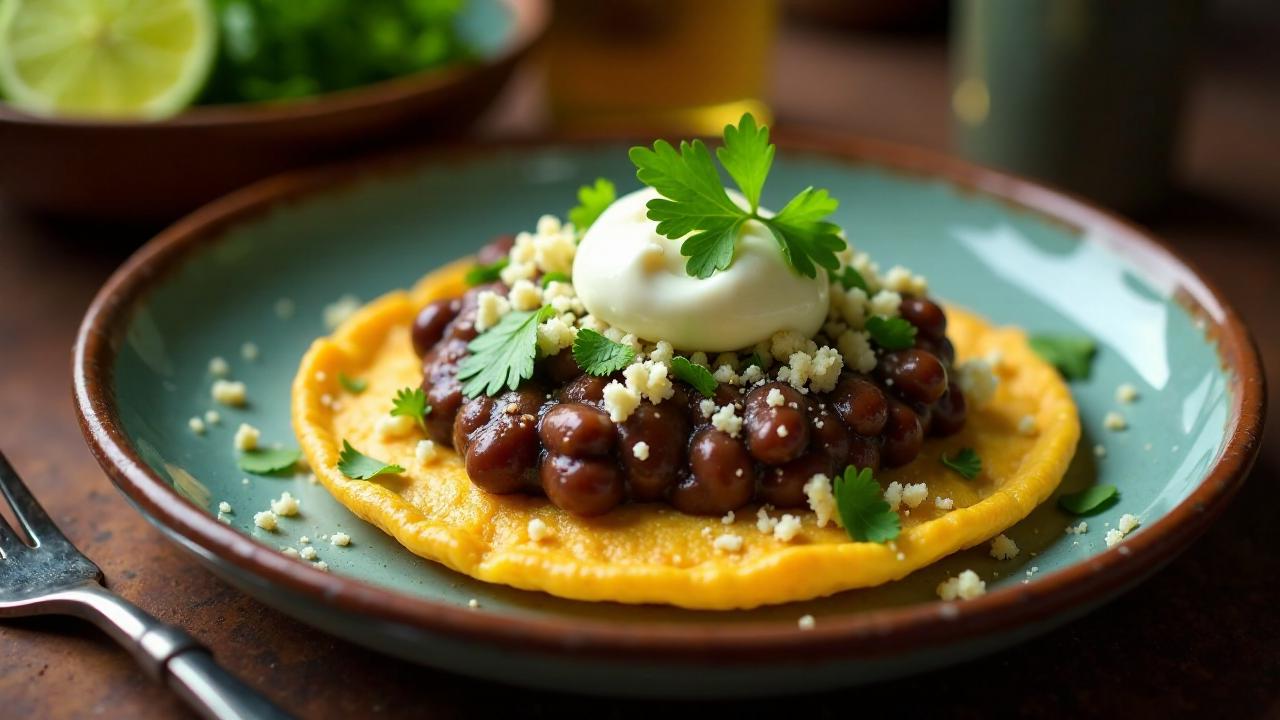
<point>105,58</point>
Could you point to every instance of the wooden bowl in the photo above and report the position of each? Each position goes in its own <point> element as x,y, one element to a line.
<point>147,172</point>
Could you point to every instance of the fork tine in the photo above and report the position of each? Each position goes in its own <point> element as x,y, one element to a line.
<point>35,521</point>
<point>9,540</point>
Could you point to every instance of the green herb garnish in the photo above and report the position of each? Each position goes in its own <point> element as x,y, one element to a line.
<point>502,356</point>
<point>1089,500</point>
<point>891,333</point>
<point>411,402</point>
<point>694,201</point>
<point>481,274</point>
<point>355,386</point>
<point>266,461</point>
<point>966,463</point>
<point>555,277</point>
<point>850,278</point>
<point>592,200</point>
<point>754,359</point>
<point>1072,355</point>
<point>598,355</point>
<point>863,509</point>
<point>358,466</point>
<point>696,375</point>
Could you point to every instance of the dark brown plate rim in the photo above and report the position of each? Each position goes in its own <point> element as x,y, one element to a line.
<point>529,23</point>
<point>870,634</point>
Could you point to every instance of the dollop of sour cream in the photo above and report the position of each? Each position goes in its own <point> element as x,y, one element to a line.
<point>634,279</point>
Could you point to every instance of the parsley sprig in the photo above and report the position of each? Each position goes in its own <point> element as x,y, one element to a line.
<point>358,466</point>
<point>267,461</point>
<point>1072,355</point>
<point>891,333</point>
<point>502,356</point>
<point>592,201</point>
<point>481,274</point>
<point>863,509</point>
<point>694,202</point>
<point>598,355</point>
<point>1090,500</point>
<point>411,402</point>
<point>965,462</point>
<point>699,377</point>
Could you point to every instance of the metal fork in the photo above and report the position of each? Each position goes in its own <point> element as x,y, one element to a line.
<point>51,577</point>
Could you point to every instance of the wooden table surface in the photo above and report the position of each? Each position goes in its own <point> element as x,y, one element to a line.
<point>1198,638</point>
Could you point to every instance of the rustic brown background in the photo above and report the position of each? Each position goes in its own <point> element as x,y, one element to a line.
<point>1199,638</point>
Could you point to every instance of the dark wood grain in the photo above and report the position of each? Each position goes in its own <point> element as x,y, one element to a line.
<point>1198,638</point>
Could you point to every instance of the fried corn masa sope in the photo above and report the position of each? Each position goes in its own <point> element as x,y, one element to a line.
<point>650,552</point>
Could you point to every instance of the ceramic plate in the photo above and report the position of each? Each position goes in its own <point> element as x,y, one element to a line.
<point>1015,252</point>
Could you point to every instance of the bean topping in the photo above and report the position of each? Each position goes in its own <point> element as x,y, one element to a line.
<point>578,430</point>
<point>582,486</point>
<point>723,477</point>
<point>776,433</point>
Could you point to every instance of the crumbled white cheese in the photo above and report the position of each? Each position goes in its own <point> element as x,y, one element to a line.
<point>893,495</point>
<point>728,518</point>
<point>1113,537</point>
<point>727,421</point>
<point>265,520</point>
<point>490,307</point>
<point>806,622</point>
<point>425,451</point>
<point>620,401</point>
<point>218,367</point>
<point>728,542</point>
<point>699,358</point>
<point>308,553</point>
<point>304,539</point>
<point>1004,548</point>
<point>977,381</point>
<point>944,504</point>
<point>555,334</point>
<point>340,539</point>
<point>764,523</point>
<point>321,565</point>
<point>289,552</point>
<point>726,374</point>
<point>822,501</point>
<point>856,348</point>
<point>337,312</point>
<point>229,392</point>
<point>787,527</point>
<point>706,407</point>
<point>1114,421</point>
<point>850,305</point>
<point>389,427</point>
<point>886,303</point>
<point>1099,451</point>
<point>1080,529</point>
<point>473,603</point>
<point>902,280</point>
<point>247,437</point>
<point>224,507</point>
<point>539,530</point>
<point>524,296</point>
<point>1027,425</point>
<point>966,586</point>
<point>789,342</point>
<point>914,493</point>
<point>649,380</point>
<point>249,351</point>
<point>286,506</point>
<point>774,398</point>
<point>662,352</point>
<point>196,425</point>
<point>782,431</point>
<point>1127,523</point>
<point>640,451</point>
<point>1126,393</point>
<point>212,417</point>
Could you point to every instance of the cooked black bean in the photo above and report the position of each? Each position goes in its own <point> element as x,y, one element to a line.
<point>443,391</point>
<point>430,322</point>
<point>829,434</point>
<point>914,375</point>
<point>861,404</point>
<point>582,486</point>
<point>949,412</point>
<point>942,348</point>
<point>585,389</point>
<point>723,477</point>
<point>925,315</point>
<point>502,456</point>
<point>783,486</point>
<point>902,436</point>
<point>864,452</point>
<point>559,368</point>
<point>776,434</point>
<point>495,249</point>
<point>470,418</point>
<point>578,430</point>
<point>664,430</point>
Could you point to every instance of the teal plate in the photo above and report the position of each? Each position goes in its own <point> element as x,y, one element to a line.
<point>1013,251</point>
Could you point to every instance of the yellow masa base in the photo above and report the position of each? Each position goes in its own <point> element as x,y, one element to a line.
<point>650,553</point>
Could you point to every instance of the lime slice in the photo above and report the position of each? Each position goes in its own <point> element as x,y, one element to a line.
<point>105,58</point>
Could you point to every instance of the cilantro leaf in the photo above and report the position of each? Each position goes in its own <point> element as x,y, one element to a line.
<point>806,238</point>
<point>891,333</point>
<point>747,154</point>
<point>863,509</point>
<point>695,206</point>
<point>481,274</point>
<point>696,375</point>
<point>266,461</point>
<point>1089,500</point>
<point>753,359</point>
<point>598,355</point>
<point>966,463</point>
<point>358,466</point>
<point>592,200</point>
<point>502,356</point>
<point>411,402</point>
<point>355,386</point>
<point>555,277</point>
<point>850,278</point>
<point>1072,355</point>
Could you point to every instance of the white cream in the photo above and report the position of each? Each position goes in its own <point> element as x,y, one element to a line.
<point>632,278</point>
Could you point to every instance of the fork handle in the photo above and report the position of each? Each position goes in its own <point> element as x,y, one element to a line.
<point>168,653</point>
